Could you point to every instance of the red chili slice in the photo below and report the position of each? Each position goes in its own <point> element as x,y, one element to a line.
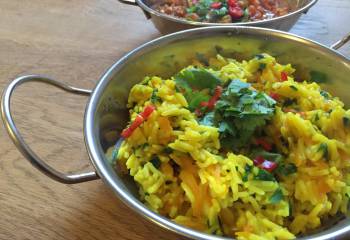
<point>216,5</point>
<point>217,94</point>
<point>265,145</point>
<point>268,165</point>
<point>147,111</point>
<point>204,104</point>
<point>275,96</point>
<point>140,118</point>
<point>284,76</point>
<point>258,160</point>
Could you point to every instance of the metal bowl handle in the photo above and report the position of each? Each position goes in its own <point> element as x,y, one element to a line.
<point>18,140</point>
<point>341,42</point>
<point>128,2</point>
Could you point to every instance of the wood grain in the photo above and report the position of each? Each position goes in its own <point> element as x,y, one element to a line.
<point>75,42</point>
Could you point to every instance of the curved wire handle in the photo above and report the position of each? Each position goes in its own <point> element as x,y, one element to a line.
<point>18,140</point>
<point>341,42</point>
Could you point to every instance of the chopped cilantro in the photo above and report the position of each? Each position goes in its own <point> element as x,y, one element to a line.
<point>277,196</point>
<point>286,169</point>
<point>247,170</point>
<point>156,162</point>
<point>325,94</point>
<point>324,148</point>
<point>262,66</point>
<point>239,112</point>
<point>191,81</point>
<point>154,96</point>
<point>264,175</point>
<point>168,150</point>
<point>293,87</point>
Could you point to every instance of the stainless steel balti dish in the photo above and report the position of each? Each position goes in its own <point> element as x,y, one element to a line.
<point>166,23</point>
<point>164,56</point>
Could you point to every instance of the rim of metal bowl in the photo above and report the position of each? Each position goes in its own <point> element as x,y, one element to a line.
<point>108,175</point>
<point>145,7</point>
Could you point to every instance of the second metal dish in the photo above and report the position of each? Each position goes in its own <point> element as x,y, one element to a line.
<point>166,23</point>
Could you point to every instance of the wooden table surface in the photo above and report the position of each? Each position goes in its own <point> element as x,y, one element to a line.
<point>75,42</point>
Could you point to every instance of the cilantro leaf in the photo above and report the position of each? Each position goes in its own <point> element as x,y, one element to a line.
<point>277,196</point>
<point>239,112</point>
<point>197,78</point>
<point>264,175</point>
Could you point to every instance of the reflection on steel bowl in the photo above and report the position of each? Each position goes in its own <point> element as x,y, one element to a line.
<point>164,57</point>
<point>224,11</point>
<point>174,15</point>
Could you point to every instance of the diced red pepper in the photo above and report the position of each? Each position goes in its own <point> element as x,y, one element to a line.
<point>265,145</point>
<point>268,165</point>
<point>216,5</point>
<point>275,96</point>
<point>128,131</point>
<point>258,160</point>
<point>217,94</point>
<point>198,112</point>
<point>235,12</point>
<point>284,76</point>
<point>204,104</point>
<point>147,111</point>
<point>140,118</point>
<point>232,3</point>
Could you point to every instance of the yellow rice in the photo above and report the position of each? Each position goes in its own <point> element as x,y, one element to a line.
<point>208,193</point>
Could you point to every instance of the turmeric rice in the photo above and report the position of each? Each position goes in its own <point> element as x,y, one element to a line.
<point>239,149</point>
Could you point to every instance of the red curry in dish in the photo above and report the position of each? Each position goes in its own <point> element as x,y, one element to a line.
<point>224,11</point>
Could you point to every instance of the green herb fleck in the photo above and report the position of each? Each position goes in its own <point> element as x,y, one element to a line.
<point>264,175</point>
<point>293,87</point>
<point>324,148</point>
<point>168,150</point>
<point>277,196</point>
<point>325,94</point>
<point>262,66</point>
<point>154,96</point>
<point>247,170</point>
<point>156,162</point>
<point>286,169</point>
<point>239,112</point>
